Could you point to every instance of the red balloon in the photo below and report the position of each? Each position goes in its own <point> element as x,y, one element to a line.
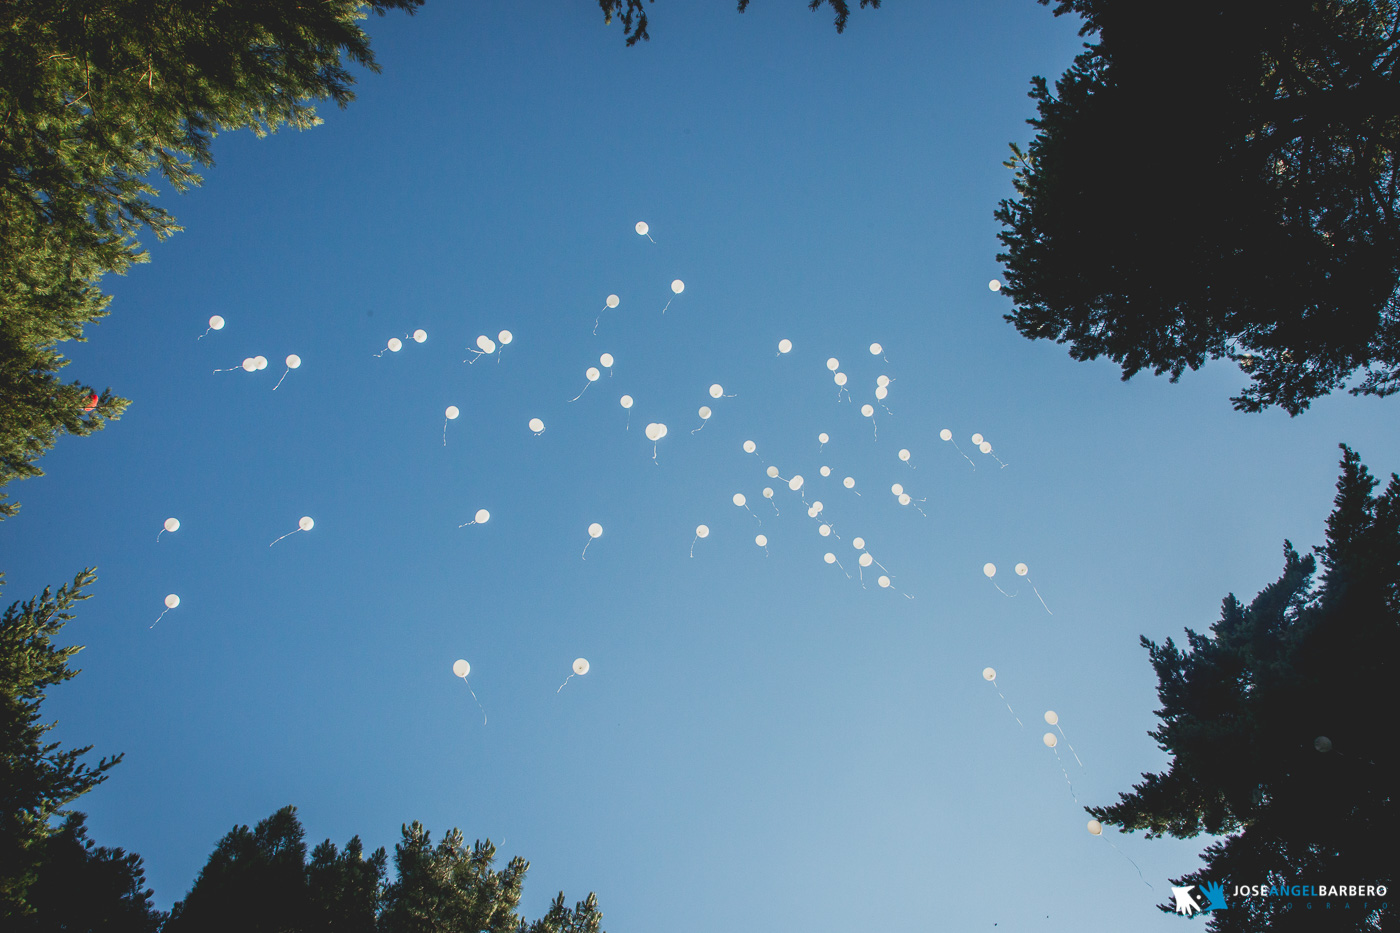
<point>92,403</point>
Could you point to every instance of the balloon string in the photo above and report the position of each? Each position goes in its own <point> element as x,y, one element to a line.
<point>479,355</point>
<point>158,618</point>
<point>203,335</point>
<point>463,525</point>
<point>775,508</point>
<point>668,304</point>
<point>965,456</point>
<point>1002,591</point>
<point>229,370</point>
<point>585,548</point>
<point>478,702</point>
<point>444,431</point>
<point>887,409</point>
<point>1008,706</point>
<point>653,455</point>
<point>702,426</point>
<point>1041,598</point>
<point>1065,773</point>
<point>287,535</point>
<point>692,546</point>
<point>628,426</point>
<point>876,427</point>
<point>765,551</point>
<point>843,569</point>
<point>751,512</point>
<point>159,533</point>
<point>648,236</point>
<point>842,391</point>
<point>1130,861</point>
<point>998,460</point>
<point>279,381</point>
<point>564,684</point>
<point>382,352</point>
<point>1067,742</point>
<point>580,395</point>
<point>595,323</point>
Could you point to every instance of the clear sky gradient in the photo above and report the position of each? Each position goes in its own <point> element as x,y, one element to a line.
<point>761,743</point>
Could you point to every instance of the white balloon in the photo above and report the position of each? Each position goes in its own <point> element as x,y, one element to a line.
<point>614,301</point>
<point>858,543</point>
<point>172,524</point>
<point>261,362</point>
<point>767,492</point>
<point>897,489</point>
<point>946,434</point>
<point>994,285</point>
<point>881,393</point>
<point>172,601</point>
<point>867,410</point>
<point>750,447</point>
<point>823,530</point>
<point>1022,570</point>
<point>1050,740</point>
<point>823,437</point>
<point>882,381</point>
<point>825,471</point>
<point>876,349</point>
<point>904,498</point>
<point>216,322</point>
<point>306,523</point>
<point>739,499</point>
<point>812,512</point>
<point>595,530</point>
<point>482,516</point>
<point>884,581</point>
<point>452,412</point>
<point>866,560</point>
<point>716,391</point>
<point>592,373</point>
<point>1323,744</point>
<point>795,483</point>
<point>249,365</point>
<point>702,531</point>
<point>626,401</point>
<point>705,413</point>
<point>420,335</point>
<point>505,337</point>
<point>1051,717</point>
<point>660,430</point>
<point>829,557</point>
<point>461,668</point>
<point>677,286</point>
<point>761,540</point>
<point>977,439</point>
<point>293,361</point>
<point>818,505</point>
<point>839,379</point>
<point>653,432</point>
<point>784,346</point>
<point>485,344</point>
<point>990,570</point>
<point>833,364</point>
<point>394,344</point>
<point>1095,827</point>
<point>580,666</point>
<point>989,674</point>
<point>642,228</point>
<point>985,447</point>
<point>849,482</point>
<point>536,425</point>
<point>904,454</point>
<point>772,472</point>
<point>606,360</point>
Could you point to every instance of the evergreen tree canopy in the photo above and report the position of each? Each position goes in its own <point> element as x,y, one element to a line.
<point>100,99</point>
<point>259,880</point>
<point>1217,180</point>
<point>1280,724</point>
<point>37,778</point>
<point>633,14</point>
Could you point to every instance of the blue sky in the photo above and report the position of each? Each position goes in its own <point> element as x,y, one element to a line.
<point>760,742</point>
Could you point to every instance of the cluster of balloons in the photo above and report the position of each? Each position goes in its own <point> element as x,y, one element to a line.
<point>485,346</point>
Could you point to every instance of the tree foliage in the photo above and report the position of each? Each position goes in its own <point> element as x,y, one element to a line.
<point>633,15</point>
<point>259,880</point>
<point>100,100</point>
<point>1218,181</point>
<point>38,778</point>
<point>1280,724</point>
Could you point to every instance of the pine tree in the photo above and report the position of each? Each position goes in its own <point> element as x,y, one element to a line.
<point>1215,181</point>
<point>38,779</point>
<point>98,100</point>
<point>632,14</point>
<point>1280,725</point>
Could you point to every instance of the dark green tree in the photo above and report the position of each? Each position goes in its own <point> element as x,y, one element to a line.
<point>38,778</point>
<point>633,15</point>
<point>81,887</point>
<point>100,100</point>
<point>1218,180</point>
<point>1280,726</point>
